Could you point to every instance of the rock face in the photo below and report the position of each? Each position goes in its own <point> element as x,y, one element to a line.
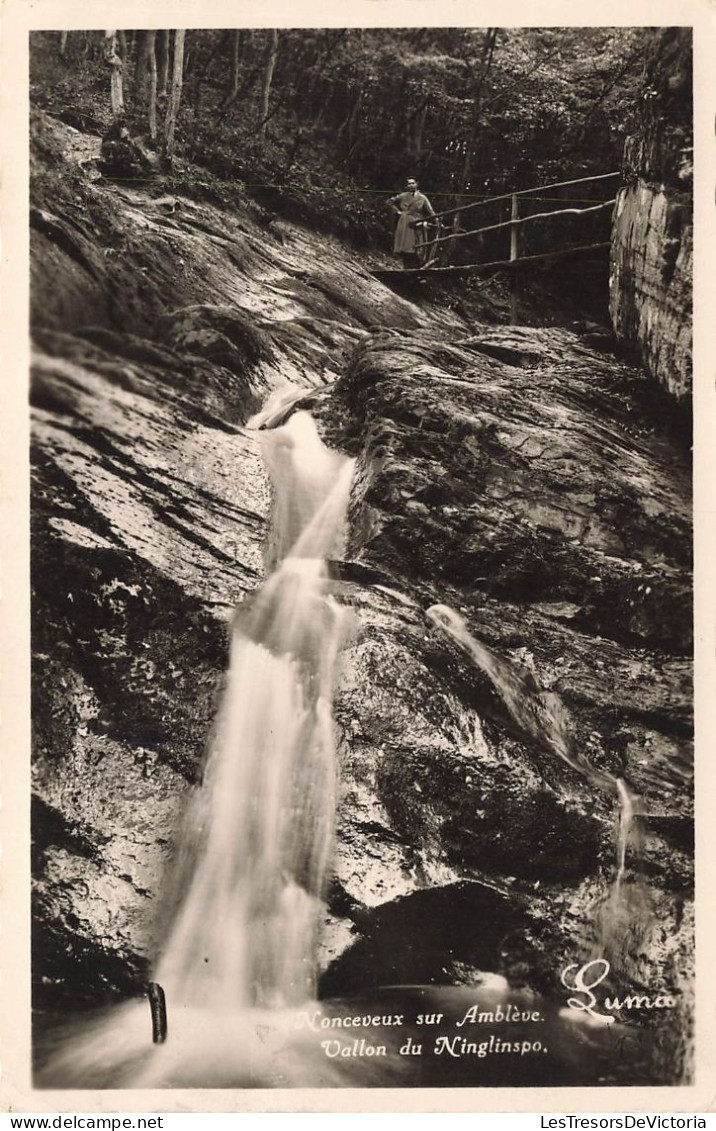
<point>652,235</point>
<point>160,325</point>
<point>534,498</point>
<point>513,474</point>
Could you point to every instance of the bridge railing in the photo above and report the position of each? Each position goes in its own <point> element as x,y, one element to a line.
<point>428,246</point>
<point>518,221</point>
<point>524,192</point>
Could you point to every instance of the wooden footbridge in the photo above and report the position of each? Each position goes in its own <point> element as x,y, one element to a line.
<point>429,249</point>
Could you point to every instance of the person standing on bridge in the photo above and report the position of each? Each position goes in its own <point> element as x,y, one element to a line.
<point>412,208</point>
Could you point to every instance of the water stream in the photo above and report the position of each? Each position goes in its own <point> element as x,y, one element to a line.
<point>543,716</point>
<point>243,903</point>
<point>258,836</point>
<point>245,896</point>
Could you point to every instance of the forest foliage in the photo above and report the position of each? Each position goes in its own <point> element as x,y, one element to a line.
<point>331,121</point>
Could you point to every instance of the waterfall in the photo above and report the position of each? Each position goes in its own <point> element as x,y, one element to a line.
<point>259,833</point>
<point>237,948</point>
<point>242,906</point>
<point>542,715</point>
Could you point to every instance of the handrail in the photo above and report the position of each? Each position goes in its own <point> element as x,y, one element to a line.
<point>518,221</point>
<point>502,264</point>
<point>523,192</point>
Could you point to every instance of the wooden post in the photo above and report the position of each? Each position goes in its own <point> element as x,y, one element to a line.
<point>514,254</point>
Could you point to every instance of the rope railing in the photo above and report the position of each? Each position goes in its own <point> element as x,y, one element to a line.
<point>524,192</point>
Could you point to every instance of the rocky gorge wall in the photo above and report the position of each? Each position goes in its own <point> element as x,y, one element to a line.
<point>514,473</point>
<point>652,235</point>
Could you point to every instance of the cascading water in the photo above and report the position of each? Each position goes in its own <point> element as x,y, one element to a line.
<point>543,716</point>
<point>245,897</point>
<point>237,953</point>
<point>259,833</point>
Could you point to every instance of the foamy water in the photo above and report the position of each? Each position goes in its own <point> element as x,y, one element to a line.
<point>244,899</point>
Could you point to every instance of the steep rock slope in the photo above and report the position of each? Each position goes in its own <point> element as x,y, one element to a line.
<point>160,325</point>
<point>512,474</point>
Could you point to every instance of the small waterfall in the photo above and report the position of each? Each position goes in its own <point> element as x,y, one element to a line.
<point>243,903</point>
<point>259,832</point>
<point>241,914</point>
<point>543,716</point>
<point>625,911</point>
<point>626,820</point>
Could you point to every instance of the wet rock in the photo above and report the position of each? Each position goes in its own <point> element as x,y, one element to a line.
<point>652,233</point>
<point>651,288</point>
<point>221,334</point>
<point>171,326</point>
<point>513,473</point>
<point>129,651</point>
<point>543,489</point>
<point>514,509</point>
<point>127,157</point>
<point>428,938</point>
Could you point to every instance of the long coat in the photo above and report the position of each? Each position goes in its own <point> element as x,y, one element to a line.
<point>413,206</point>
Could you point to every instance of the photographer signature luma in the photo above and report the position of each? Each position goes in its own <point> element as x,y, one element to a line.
<point>581,981</point>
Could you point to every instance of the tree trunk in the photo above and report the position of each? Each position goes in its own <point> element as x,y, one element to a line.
<point>152,101</point>
<point>232,90</point>
<point>420,121</point>
<point>141,70</point>
<point>266,83</point>
<point>235,57</point>
<point>514,254</point>
<point>175,94</point>
<point>486,54</point>
<point>399,117</point>
<point>293,153</point>
<point>114,61</point>
<point>162,62</point>
<point>63,41</point>
<point>348,127</point>
<point>202,72</point>
<point>413,129</point>
<point>325,91</point>
<point>122,41</point>
<point>347,130</point>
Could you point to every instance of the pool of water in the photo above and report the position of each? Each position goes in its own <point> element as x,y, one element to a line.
<point>480,1036</point>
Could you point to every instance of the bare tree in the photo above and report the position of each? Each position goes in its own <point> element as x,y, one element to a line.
<point>174,94</point>
<point>486,54</point>
<point>233,88</point>
<point>162,63</point>
<point>266,82</point>
<point>114,61</point>
<point>123,46</point>
<point>141,69</point>
<point>152,97</point>
<point>146,77</point>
